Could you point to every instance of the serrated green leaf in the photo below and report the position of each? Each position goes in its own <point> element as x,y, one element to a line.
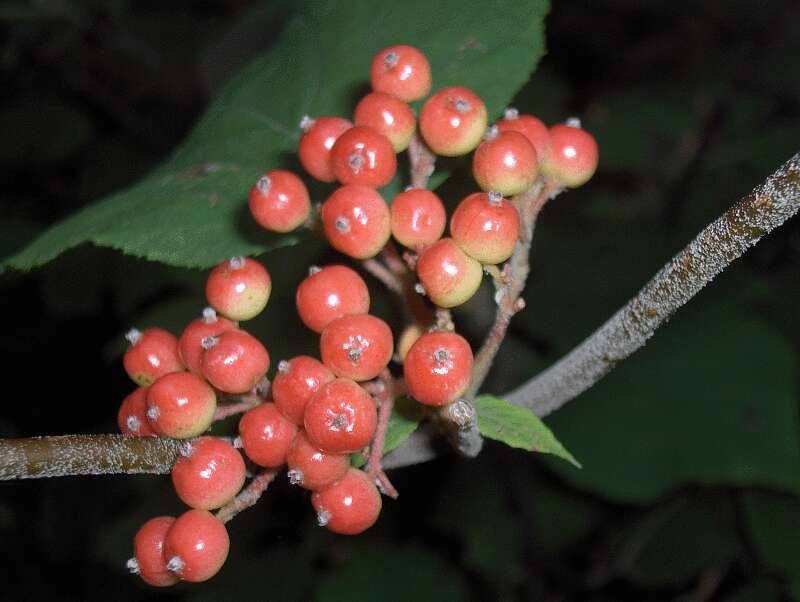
<point>192,212</point>
<point>517,427</point>
<point>404,420</point>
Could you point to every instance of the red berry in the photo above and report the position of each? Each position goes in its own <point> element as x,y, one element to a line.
<point>329,293</point>
<point>356,347</point>
<point>316,144</point>
<point>196,546</point>
<point>132,415</point>
<point>450,276</point>
<point>153,353</point>
<point>180,405</point>
<point>266,435</point>
<point>209,474</point>
<point>148,553</point>
<point>190,345</point>
<point>349,506</point>
<point>453,121</point>
<point>363,156</point>
<point>239,288</point>
<point>235,361</point>
<point>341,417</point>
<point>418,218</point>
<point>402,71</point>
<point>312,468</point>
<point>438,368</point>
<point>529,126</point>
<point>486,227</point>
<point>573,155</point>
<point>294,384</point>
<point>505,162</point>
<point>356,221</point>
<point>389,116</point>
<point>279,201</point>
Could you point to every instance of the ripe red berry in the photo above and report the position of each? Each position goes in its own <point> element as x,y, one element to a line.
<point>356,347</point>
<point>180,405</point>
<point>486,227</point>
<point>363,156</point>
<point>356,221</point>
<point>449,276</point>
<point>389,116</point>
<point>190,344</point>
<point>350,506</point>
<point>438,368</point>
<point>235,361</point>
<point>573,154</point>
<point>402,71</point>
<point>196,546</point>
<point>132,415</point>
<point>279,201</point>
<point>148,553</point>
<point>239,288</point>
<point>209,473</point>
<point>312,468</point>
<point>341,417</point>
<point>453,121</point>
<point>153,353</point>
<point>329,293</point>
<point>266,435</point>
<point>505,162</point>
<point>418,218</point>
<point>294,384</point>
<point>529,126</point>
<point>316,144</point>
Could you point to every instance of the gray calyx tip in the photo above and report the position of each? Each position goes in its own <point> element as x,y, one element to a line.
<point>209,315</point>
<point>236,262</point>
<point>510,114</point>
<point>264,184</point>
<point>133,336</point>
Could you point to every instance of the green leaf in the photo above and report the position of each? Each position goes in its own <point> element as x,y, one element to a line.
<point>773,522</point>
<point>404,420</point>
<point>192,211</point>
<point>517,427</point>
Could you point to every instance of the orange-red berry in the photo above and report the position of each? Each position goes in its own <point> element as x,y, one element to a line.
<point>190,344</point>
<point>438,368</point>
<point>453,121</point>
<point>312,468</point>
<point>208,474</point>
<point>418,218</point>
<point>341,417</point>
<point>239,288</point>
<point>148,553</point>
<point>356,221</point>
<point>294,384</point>
<point>180,405</point>
<point>350,506</point>
<point>235,361</point>
<point>153,352</point>
<point>402,71</point>
<point>573,155</point>
<point>389,116</point>
<point>529,126</point>
<point>279,201</point>
<point>266,435</point>
<point>505,162</point>
<point>449,276</point>
<point>356,347</point>
<point>328,293</point>
<point>363,156</point>
<point>132,415</point>
<point>486,227</point>
<point>196,546</point>
<point>315,146</point>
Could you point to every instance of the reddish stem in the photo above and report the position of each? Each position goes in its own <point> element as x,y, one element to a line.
<point>385,397</point>
<point>248,402</point>
<point>248,496</point>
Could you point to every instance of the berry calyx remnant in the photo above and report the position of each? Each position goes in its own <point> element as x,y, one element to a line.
<point>328,293</point>
<point>239,288</point>
<point>453,121</point>
<point>438,367</point>
<point>153,352</point>
<point>279,201</point>
<point>350,506</point>
<point>209,474</point>
<point>486,227</point>
<point>402,71</point>
<point>316,143</point>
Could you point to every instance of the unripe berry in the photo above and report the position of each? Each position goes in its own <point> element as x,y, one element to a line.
<point>486,227</point>
<point>316,144</point>
<point>349,506</point>
<point>196,546</point>
<point>312,468</point>
<point>356,347</point>
<point>341,417</point>
<point>329,293</point>
<point>449,276</point>
<point>148,553</point>
<point>294,384</point>
<point>279,201</point>
<point>235,361</point>
<point>453,121</point>
<point>407,339</point>
<point>239,288</point>
<point>132,415</point>
<point>190,345</point>
<point>402,71</point>
<point>529,126</point>
<point>505,162</point>
<point>153,353</point>
<point>209,474</point>
<point>363,156</point>
<point>573,155</point>
<point>266,435</point>
<point>180,405</point>
<point>438,368</point>
<point>418,218</point>
<point>356,221</point>
<point>389,116</point>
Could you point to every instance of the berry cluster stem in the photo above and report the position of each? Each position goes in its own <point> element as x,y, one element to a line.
<point>422,160</point>
<point>249,496</point>
<point>385,396</point>
<point>247,402</point>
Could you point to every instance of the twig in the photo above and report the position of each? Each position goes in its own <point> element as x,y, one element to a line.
<point>248,496</point>
<point>248,402</point>
<point>385,397</point>
<point>767,207</point>
<point>384,275</point>
<point>422,160</point>
<point>72,455</point>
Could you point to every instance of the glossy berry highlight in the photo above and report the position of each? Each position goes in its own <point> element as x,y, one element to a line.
<point>279,201</point>
<point>453,121</point>
<point>190,343</point>
<point>363,156</point>
<point>196,546</point>
<point>208,474</point>
<point>239,288</point>
<point>505,162</point>
<point>328,293</point>
<point>573,155</point>
<point>438,367</point>
<point>295,382</point>
<point>389,116</point>
<point>153,352</point>
<point>235,361</point>
<point>180,405</point>
<point>418,218</point>
<point>312,468</point>
<point>132,415</point>
<point>356,221</point>
<point>349,506</point>
<point>401,71</point>
<point>314,149</point>
<point>356,347</point>
<point>148,553</point>
<point>266,435</point>
<point>341,417</point>
<point>449,276</point>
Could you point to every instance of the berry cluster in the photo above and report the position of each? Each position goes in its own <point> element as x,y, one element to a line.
<point>319,411</point>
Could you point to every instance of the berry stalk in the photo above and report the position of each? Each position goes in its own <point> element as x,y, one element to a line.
<point>249,496</point>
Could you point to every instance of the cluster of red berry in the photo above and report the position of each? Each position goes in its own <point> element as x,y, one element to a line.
<point>319,411</point>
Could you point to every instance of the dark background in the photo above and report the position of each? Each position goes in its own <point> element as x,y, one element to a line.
<point>690,449</point>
